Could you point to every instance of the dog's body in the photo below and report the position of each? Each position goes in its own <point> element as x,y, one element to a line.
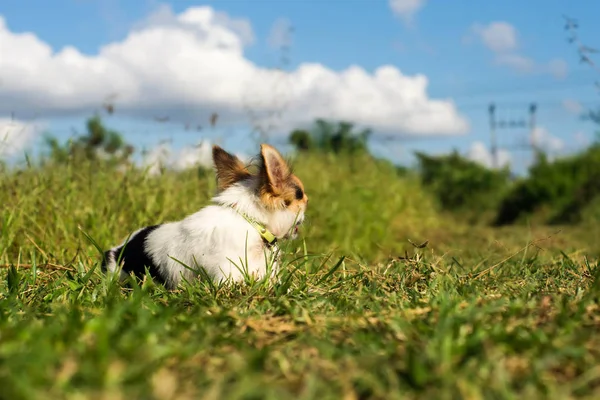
<point>227,239</point>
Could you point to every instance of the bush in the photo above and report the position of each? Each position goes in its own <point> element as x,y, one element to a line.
<point>565,187</point>
<point>460,184</point>
<point>98,142</point>
<point>329,137</point>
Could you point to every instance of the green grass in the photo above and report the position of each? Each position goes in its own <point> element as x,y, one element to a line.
<point>359,312</point>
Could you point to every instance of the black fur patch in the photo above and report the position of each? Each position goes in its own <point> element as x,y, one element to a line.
<point>299,193</point>
<point>134,257</point>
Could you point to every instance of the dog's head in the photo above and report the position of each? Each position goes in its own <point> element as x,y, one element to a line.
<point>273,188</point>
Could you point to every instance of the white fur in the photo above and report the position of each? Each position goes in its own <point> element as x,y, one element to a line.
<point>219,240</point>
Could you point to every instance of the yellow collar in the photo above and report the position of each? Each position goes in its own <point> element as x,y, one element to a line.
<point>262,230</point>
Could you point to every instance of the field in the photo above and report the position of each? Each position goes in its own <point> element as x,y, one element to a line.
<point>382,297</point>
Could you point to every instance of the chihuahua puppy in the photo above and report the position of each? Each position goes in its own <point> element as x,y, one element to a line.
<point>235,236</point>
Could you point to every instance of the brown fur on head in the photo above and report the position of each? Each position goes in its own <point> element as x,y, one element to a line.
<point>278,188</point>
<point>229,168</point>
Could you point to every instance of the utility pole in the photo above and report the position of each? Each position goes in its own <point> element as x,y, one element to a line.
<point>534,142</point>
<point>510,123</point>
<point>493,144</point>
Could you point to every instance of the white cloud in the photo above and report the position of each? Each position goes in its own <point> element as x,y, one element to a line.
<point>479,153</point>
<point>572,106</point>
<point>164,156</point>
<point>281,34</point>
<point>192,64</point>
<point>406,9</point>
<point>502,39</point>
<point>157,158</point>
<point>15,136</point>
<point>581,139</point>
<point>541,138</point>
<point>497,36</point>
<point>558,68</point>
<point>198,21</point>
<point>515,61</point>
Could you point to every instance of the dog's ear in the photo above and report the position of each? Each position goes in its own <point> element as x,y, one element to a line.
<point>274,170</point>
<point>228,167</point>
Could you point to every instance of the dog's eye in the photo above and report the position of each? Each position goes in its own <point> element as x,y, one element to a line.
<point>299,194</point>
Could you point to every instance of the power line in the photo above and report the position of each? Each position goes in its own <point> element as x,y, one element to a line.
<point>521,104</point>
<point>511,124</point>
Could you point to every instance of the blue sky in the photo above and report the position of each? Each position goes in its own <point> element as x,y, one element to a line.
<point>505,51</point>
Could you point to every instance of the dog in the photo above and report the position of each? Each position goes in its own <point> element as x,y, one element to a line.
<point>235,237</point>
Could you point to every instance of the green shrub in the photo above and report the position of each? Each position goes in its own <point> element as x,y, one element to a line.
<point>565,187</point>
<point>462,185</point>
<point>97,142</point>
<point>331,137</point>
